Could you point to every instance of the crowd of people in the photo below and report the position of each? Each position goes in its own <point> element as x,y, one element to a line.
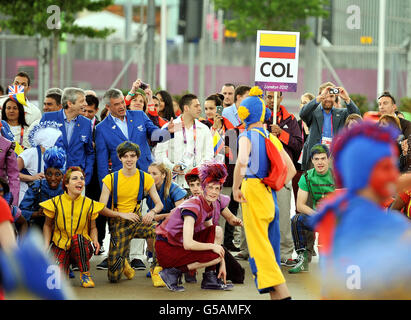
<point>152,168</point>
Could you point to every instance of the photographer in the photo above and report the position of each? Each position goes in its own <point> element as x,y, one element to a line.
<point>323,119</point>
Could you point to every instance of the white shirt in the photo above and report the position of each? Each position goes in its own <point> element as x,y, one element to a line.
<point>16,130</point>
<point>31,112</point>
<point>122,124</point>
<point>174,151</point>
<point>30,159</point>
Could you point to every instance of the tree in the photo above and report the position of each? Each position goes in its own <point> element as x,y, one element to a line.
<point>249,16</point>
<point>50,19</point>
<point>361,102</point>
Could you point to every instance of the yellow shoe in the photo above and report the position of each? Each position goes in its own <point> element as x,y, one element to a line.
<point>85,280</point>
<point>128,270</point>
<point>155,277</point>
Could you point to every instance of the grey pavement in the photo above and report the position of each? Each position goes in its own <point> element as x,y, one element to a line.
<point>302,287</point>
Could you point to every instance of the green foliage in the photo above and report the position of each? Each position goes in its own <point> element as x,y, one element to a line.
<point>177,97</point>
<point>29,17</point>
<point>405,104</point>
<point>252,15</point>
<point>361,102</point>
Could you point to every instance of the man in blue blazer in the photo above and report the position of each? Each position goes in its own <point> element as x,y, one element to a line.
<point>121,125</point>
<point>76,129</point>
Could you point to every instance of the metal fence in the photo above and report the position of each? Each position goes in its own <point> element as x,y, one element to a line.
<point>95,63</point>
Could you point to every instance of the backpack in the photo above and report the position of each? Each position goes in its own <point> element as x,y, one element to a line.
<point>278,169</point>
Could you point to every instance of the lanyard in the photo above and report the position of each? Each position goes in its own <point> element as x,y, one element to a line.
<point>195,138</point>
<point>238,119</point>
<point>21,136</point>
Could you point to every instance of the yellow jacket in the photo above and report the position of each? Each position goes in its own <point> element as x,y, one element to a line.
<point>70,217</point>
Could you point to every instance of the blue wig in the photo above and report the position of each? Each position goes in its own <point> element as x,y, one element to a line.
<point>55,157</point>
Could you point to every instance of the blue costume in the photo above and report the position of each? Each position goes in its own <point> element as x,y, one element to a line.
<point>79,150</point>
<point>5,131</point>
<point>38,192</point>
<point>175,194</point>
<point>109,136</point>
<point>359,240</point>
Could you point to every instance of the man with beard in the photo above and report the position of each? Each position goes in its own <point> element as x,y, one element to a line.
<point>323,119</point>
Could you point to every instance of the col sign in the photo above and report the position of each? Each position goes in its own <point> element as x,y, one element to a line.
<point>276,67</point>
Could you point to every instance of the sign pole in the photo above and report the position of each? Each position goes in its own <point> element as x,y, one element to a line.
<point>275,108</point>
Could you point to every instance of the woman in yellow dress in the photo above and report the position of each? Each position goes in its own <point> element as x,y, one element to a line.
<point>70,226</point>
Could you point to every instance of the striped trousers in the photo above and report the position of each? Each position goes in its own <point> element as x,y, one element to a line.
<point>121,233</point>
<point>300,224</point>
<point>79,253</point>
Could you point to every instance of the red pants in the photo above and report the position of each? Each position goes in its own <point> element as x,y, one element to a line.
<point>79,253</point>
<point>169,256</point>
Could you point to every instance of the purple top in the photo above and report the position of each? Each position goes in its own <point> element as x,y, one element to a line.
<point>198,208</point>
<point>219,206</point>
<point>8,168</point>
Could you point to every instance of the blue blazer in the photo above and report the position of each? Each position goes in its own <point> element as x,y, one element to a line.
<point>80,150</point>
<point>140,130</point>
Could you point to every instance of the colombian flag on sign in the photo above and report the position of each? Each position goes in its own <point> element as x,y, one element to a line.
<point>278,46</point>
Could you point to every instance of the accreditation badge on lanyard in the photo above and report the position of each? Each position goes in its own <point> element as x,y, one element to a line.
<point>327,141</point>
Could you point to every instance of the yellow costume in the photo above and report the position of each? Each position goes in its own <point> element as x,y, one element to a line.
<point>70,217</point>
<point>260,211</point>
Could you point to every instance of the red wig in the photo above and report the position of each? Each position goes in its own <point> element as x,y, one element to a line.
<point>212,171</point>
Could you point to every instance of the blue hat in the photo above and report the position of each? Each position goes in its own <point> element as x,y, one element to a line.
<point>357,150</point>
<point>55,157</point>
<point>252,109</point>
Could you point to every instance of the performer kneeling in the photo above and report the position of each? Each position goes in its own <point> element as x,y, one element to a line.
<point>71,225</point>
<point>188,240</point>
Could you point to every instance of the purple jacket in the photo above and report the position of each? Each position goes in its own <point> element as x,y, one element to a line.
<point>172,227</point>
<point>8,167</point>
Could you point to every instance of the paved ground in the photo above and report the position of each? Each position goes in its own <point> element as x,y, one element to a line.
<point>141,288</point>
<point>302,287</point>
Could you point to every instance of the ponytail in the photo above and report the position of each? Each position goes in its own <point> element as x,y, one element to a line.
<point>168,177</point>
